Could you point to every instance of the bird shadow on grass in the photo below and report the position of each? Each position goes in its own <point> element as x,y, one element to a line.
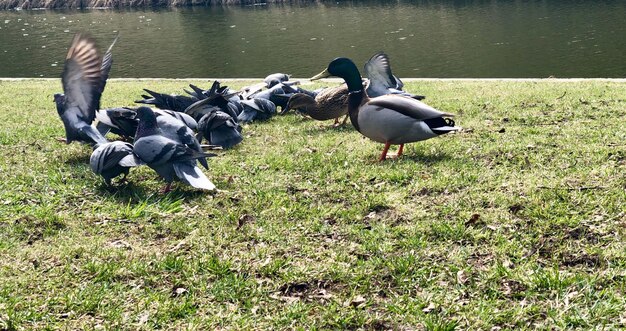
<point>129,192</point>
<point>324,128</point>
<point>78,159</point>
<point>419,156</point>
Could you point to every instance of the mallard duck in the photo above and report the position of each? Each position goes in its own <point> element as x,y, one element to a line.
<point>330,103</point>
<point>389,119</point>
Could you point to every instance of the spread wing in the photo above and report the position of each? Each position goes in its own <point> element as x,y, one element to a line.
<point>407,106</point>
<point>378,70</point>
<point>105,68</point>
<point>82,77</point>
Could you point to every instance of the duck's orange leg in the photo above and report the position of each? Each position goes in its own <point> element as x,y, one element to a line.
<point>400,149</point>
<point>383,156</point>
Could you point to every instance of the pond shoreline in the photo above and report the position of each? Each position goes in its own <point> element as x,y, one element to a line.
<point>120,4</point>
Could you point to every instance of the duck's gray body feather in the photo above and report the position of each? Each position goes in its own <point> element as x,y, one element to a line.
<point>399,119</point>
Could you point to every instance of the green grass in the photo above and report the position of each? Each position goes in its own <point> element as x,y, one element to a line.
<point>517,222</point>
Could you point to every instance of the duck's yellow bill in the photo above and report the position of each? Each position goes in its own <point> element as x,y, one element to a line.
<point>321,75</point>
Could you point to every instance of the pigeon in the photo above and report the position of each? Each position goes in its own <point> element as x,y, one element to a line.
<point>256,110</point>
<point>279,94</point>
<point>275,79</point>
<point>84,78</point>
<point>219,128</point>
<point>167,101</point>
<point>381,80</point>
<point>182,117</point>
<point>112,159</point>
<point>215,102</point>
<point>176,130</point>
<point>169,158</point>
<point>120,121</point>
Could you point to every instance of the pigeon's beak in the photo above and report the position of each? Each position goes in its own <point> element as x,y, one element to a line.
<point>321,75</point>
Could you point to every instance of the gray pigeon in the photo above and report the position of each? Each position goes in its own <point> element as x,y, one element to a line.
<point>112,159</point>
<point>256,110</point>
<point>170,158</point>
<point>122,121</point>
<point>275,79</point>
<point>381,80</point>
<point>84,77</point>
<point>176,130</point>
<point>219,128</point>
<point>182,117</point>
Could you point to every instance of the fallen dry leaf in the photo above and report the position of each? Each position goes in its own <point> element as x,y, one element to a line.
<point>245,219</point>
<point>288,299</point>
<point>473,220</point>
<point>143,318</point>
<point>357,302</point>
<point>514,209</point>
<point>121,244</point>
<point>178,290</point>
<point>431,307</point>
<point>461,277</point>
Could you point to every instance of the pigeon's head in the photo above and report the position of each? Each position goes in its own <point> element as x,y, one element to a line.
<point>146,117</point>
<point>59,99</point>
<point>127,113</point>
<point>272,82</point>
<point>145,113</point>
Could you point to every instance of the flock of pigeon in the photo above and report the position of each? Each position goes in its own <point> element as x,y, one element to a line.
<point>169,138</point>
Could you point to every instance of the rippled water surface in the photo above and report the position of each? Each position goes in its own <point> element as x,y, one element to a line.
<point>423,39</point>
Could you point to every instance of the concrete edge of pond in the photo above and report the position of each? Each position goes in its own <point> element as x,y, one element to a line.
<point>306,80</point>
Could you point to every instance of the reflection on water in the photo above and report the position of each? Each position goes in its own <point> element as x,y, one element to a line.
<point>424,39</point>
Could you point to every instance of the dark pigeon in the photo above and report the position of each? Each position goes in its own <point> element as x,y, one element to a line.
<point>120,121</point>
<point>219,128</point>
<point>217,101</point>
<point>84,78</point>
<point>167,101</point>
<point>279,94</point>
<point>256,110</point>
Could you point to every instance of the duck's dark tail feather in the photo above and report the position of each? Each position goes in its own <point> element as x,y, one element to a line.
<point>441,125</point>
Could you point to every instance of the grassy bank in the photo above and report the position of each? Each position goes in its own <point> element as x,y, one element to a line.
<point>516,222</point>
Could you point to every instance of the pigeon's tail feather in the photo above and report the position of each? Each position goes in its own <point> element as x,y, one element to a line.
<point>92,134</point>
<point>131,160</point>
<point>226,137</point>
<point>103,128</point>
<point>192,175</point>
<point>203,162</point>
<point>247,116</point>
<point>166,101</point>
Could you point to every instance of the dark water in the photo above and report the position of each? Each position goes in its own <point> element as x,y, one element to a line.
<point>423,38</point>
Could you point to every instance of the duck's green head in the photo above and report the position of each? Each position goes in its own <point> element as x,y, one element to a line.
<point>344,68</point>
